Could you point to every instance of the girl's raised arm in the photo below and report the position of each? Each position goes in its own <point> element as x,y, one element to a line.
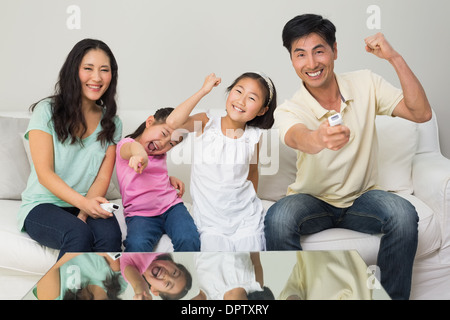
<point>179,118</point>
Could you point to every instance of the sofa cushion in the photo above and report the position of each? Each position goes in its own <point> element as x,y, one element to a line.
<point>397,141</point>
<point>19,251</point>
<point>277,167</point>
<point>13,159</point>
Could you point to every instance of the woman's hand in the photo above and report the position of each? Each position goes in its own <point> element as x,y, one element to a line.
<point>92,208</point>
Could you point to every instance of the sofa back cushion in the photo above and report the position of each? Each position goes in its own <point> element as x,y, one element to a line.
<point>14,165</point>
<point>397,140</point>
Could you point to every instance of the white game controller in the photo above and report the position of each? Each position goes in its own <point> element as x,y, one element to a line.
<point>114,255</point>
<point>335,119</point>
<point>110,207</point>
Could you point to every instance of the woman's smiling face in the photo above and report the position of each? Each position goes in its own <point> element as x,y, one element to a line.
<point>95,75</point>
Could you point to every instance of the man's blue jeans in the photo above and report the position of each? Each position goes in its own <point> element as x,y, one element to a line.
<point>143,233</point>
<point>59,228</point>
<point>373,212</point>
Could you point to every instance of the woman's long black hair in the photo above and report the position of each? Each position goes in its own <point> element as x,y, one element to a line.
<point>112,286</point>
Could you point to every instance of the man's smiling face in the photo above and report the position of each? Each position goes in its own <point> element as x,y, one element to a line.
<point>313,60</point>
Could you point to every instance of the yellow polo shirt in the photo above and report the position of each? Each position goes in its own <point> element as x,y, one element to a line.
<point>339,177</point>
<point>328,275</point>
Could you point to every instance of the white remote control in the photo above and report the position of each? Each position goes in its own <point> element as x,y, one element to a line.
<point>335,119</point>
<point>115,255</point>
<point>110,207</point>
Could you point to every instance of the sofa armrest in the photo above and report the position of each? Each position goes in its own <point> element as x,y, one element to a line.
<point>431,181</point>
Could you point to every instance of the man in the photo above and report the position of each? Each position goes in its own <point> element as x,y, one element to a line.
<point>337,165</point>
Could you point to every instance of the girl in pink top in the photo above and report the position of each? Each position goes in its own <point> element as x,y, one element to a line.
<point>156,273</point>
<point>152,205</point>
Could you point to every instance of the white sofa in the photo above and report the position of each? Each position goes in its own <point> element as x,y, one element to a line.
<point>411,164</point>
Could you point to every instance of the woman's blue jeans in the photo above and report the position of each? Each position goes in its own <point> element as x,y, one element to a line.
<point>143,233</point>
<point>59,228</point>
<point>373,212</point>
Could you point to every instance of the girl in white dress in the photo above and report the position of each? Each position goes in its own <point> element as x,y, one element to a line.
<point>224,176</point>
<point>230,276</point>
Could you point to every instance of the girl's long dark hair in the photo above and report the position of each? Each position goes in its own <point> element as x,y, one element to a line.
<point>67,116</point>
<point>160,117</point>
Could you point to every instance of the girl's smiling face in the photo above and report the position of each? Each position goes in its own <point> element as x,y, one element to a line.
<point>165,277</point>
<point>246,100</point>
<point>157,137</point>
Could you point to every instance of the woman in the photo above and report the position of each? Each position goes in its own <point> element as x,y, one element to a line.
<point>72,137</point>
<point>86,276</point>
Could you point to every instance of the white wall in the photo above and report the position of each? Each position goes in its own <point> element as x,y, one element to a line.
<point>166,48</point>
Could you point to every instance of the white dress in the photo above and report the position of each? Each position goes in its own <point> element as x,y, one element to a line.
<point>218,273</point>
<point>226,209</point>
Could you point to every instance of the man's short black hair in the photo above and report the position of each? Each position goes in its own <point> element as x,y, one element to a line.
<point>306,24</point>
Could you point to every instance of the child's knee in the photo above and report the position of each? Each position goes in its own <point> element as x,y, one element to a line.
<point>186,242</point>
<point>133,244</point>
